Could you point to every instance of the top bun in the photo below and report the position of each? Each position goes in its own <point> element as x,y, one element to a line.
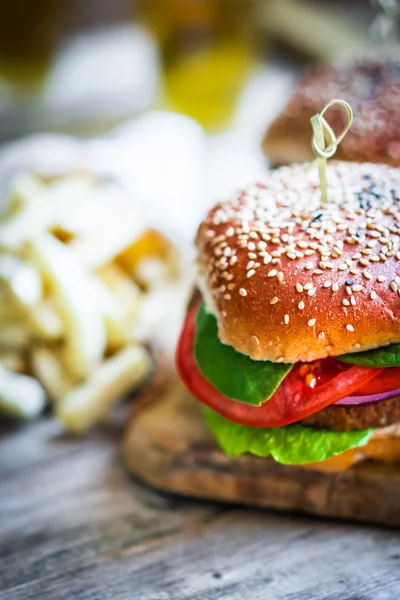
<point>290,278</point>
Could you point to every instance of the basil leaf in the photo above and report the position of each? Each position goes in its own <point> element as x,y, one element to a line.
<point>290,445</point>
<point>235,375</point>
<point>387,356</point>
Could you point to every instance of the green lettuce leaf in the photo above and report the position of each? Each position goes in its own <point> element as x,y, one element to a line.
<point>235,375</point>
<point>386,356</point>
<point>290,445</point>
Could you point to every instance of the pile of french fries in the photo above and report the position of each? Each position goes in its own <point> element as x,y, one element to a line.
<point>77,265</point>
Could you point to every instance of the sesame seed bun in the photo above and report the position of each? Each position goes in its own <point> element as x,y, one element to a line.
<point>290,278</point>
<point>370,85</point>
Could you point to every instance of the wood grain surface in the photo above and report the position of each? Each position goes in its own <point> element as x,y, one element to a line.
<point>74,526</point>
<point>168,446</point>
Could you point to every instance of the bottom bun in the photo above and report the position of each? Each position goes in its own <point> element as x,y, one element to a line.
<point>384,446</point>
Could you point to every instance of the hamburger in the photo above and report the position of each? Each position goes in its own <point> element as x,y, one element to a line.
<point>370,83</point>
<point>294,347</point>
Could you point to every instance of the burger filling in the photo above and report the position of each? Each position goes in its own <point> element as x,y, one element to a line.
<point>296,413</point>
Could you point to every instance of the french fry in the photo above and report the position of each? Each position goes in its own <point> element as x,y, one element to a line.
<point>94,251</point>
<point>122,286</point>
<point>152,272</point>
<point>88,403</point>
<point>20,280</point>
<point>45,322</point>
<point>12,360</point>
<point>150,248</point>
<point>48,367</point>
<point>20,395</point>
<point>15,336</point>
<point>116,317</point>
<point>117,223</point>
<point>85,336</point>
<point>10,313</point>
<point>24,190</point>
<point>23,289</point>
<point>48,210</point>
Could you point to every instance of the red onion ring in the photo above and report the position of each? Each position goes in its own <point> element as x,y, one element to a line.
<point>357,400</point>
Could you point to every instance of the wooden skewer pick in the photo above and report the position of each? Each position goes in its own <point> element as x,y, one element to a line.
<point>324,142</point>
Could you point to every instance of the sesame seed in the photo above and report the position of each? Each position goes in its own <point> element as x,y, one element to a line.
<point>286,319</point>
<point>227,296</point>
<point>353,301</point>
<point>251,246</point>
<point>299,287</point>
<point>267,259</point>
<point>311,292</point>
<point>381,278</point>
<point>327,284</point>
<point>311,322</point>
<point>367,275</point>
<point>274,300</point>
<point>373,295</point>
<point>393,286</point>
<point>254,339</point>
<point>308,266</point>
<point>357,288</point>
<point>321,335</point>
<point>250,265</point>
<point>354,271</point>
<point>280,359</point>
<point>342,267</point>
<point>230,231</point>
<point>335,287</point>
<point>308,286</point>
<point>345,302</point>
<point>301,305</point>
<point>243,292</point>
<point>233,260</point>
<point>291,255</point>
<point>250,273</point>
<point>350,327</point>
<point>252,255</point>
<point>280,276</point>
<point>273,273</point>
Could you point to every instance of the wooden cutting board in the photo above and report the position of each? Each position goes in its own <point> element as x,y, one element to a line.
<point>167,446</point>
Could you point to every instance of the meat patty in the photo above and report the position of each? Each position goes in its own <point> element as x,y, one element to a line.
<point>362,416</point>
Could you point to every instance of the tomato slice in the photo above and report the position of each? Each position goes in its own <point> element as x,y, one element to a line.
<point>388,380</point>
<point>308,387</point>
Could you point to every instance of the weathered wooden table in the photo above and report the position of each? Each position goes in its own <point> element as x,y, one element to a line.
<point>73,525</point>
